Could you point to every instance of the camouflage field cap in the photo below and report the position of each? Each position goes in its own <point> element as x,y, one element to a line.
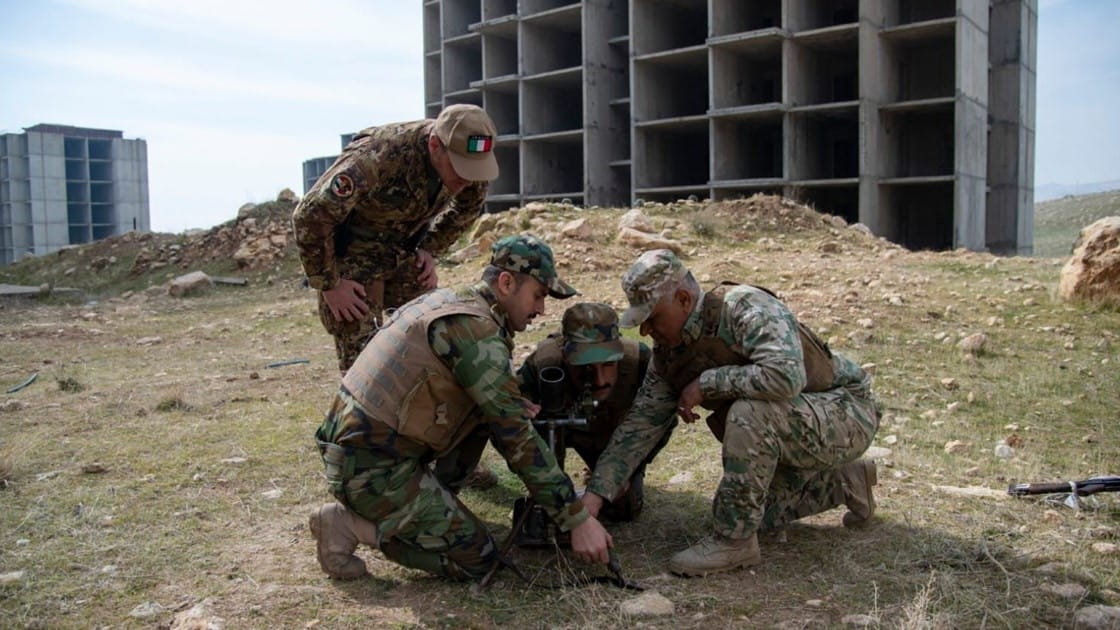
<point>646,281</point>
<point>468,133</point>
<point>591,334</point>
<point>528,254</point>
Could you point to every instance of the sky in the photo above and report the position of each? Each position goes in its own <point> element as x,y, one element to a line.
<point>233,95</point>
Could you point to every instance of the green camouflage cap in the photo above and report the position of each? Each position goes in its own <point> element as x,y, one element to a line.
<point>528,254</point>
<point>591,334</point>
<point>646,281</point>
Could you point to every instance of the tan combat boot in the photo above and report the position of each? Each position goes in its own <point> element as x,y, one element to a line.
<point>337,532</point>
<point>857,479</point>
<point>716,553</point>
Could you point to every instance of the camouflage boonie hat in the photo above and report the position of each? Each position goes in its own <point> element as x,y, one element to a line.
<point>646,282</point>
<point>591,334</point>
<point>530,255</point>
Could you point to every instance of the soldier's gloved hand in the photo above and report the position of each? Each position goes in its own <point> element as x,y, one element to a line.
<point>428,278</point>
<point>346,301</point>
<point>591,542</point>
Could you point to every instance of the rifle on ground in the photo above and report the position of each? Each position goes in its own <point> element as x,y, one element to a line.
<point>1075,489</point>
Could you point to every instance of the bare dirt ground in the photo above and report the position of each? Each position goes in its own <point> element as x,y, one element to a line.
<point>158,465</point>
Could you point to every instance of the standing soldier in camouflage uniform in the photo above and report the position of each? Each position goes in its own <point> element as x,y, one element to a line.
<point>399,194</point>
<point>437,382</point>
<point>598,362</point>
<point>793,417</point>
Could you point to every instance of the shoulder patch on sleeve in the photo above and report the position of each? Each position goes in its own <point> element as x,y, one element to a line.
<point>342,186</point>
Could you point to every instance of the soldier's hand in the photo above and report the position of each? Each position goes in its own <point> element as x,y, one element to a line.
<point>690,398</point>
<point>532,409</point>
<point>591,542</point>
<point>593,503</point>
<point>346,301</point>
<point>427,277</point>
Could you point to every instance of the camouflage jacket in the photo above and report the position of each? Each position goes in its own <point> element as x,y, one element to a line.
<point>377,203</point>
<point>476,350</point>
<point>753,324</point>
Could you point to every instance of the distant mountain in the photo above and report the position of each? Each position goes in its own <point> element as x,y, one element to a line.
<point>1047,192</point>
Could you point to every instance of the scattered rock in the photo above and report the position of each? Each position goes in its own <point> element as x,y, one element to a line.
<point>94,468</point>
<point>635,220</point>
<point>877,452</point>
<point>1052,516</point>
<point>11,577</point>
<point>245,210</point>
<point>1097,617</point>
<point>1093,271</point>
<point>949,383</point>
<point>470,252</point>
<point>890,440</point>
<point>193,283</point>
<point>145,610</point>
<point>682,477</point>
<point>815,603</point>
<point>973,344</point>
<point>648,604</point>
<point>1003,451</point>
<point>234,460</point>
<point>11,405</point>
<point>1104,548</point>
<point>956,446</point>
<point>149,341</point>
<point>288,195</point>
<point>579,229</point>
<point>645,240</point>
<point>275,493</point>
<point>198,617</point>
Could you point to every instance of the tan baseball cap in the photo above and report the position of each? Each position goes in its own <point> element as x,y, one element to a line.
<point>468,133</point>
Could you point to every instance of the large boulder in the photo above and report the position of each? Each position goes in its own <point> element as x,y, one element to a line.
<point>1093,271</point>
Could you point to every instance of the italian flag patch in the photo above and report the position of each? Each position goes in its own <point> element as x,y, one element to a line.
<point>480,144</point>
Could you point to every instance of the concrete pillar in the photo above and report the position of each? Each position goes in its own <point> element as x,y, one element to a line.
<point>971,126</point>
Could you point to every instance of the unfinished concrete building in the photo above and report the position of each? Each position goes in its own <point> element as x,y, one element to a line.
<point>63,185</point>
<point>914,117</point>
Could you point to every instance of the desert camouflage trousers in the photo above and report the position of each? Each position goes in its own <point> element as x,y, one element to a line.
<point>780,457</point>
<point>388,291</point>
<point>421,523</point>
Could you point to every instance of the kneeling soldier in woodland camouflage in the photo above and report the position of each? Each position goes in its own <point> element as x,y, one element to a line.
<point>598,364</point>
<point>793,417</point>
<point>435,384</point>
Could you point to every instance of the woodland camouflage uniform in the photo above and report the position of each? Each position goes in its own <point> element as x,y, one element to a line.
<point>785,445</point>
<point>379,451</point>
<point>367,215</point>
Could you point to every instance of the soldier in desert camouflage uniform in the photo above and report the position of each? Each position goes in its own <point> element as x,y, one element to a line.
<point>436,382</point>
<point>594,357</point>
<point>793,417</point>
<point>399,194</point>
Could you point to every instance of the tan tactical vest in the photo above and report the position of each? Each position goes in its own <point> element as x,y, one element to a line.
<point>549,353</point>
<point>399,380</point>
<point>709,351</point>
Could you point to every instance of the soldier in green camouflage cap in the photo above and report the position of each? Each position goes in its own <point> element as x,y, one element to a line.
<point>793,417</point>
<point>400,194</point>
<point>530,255</point>
<point>602,372</point>
<point>414,412</point>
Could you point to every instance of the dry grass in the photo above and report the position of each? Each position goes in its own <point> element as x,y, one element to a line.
<point>210,472</point>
